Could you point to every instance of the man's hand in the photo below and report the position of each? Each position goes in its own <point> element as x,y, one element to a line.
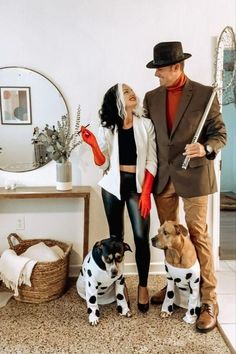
<point>194,150</point>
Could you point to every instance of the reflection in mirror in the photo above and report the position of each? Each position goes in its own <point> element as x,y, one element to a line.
<point>229,76</point>
<point>27,99</point>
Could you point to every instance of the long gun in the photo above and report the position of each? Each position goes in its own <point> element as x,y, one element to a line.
<point>200,126</point>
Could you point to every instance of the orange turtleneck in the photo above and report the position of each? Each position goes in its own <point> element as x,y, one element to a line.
<point>172,101</point>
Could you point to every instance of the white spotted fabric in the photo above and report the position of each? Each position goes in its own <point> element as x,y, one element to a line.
<point>96,287</point>
<point>183,289</point>
<point>93,280</point>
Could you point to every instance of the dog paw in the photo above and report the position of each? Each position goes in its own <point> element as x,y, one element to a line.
<point>124,311</point>
<point>94,323</point>
<point>165,314</point>
<point>189,319</point>
<point>93,320</point>
<point>128,314</point>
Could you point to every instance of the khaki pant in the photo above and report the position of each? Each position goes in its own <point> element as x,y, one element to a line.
<point>195,209</point>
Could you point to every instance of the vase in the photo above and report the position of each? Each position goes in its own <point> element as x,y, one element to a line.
<point>64,176</point>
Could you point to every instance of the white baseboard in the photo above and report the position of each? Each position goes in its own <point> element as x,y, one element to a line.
<point>129,269</point>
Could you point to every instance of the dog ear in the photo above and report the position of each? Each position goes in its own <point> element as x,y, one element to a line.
<point>126,247</point>
<point>177,229</point>
<point>180,229</point>
<point>98,244</point>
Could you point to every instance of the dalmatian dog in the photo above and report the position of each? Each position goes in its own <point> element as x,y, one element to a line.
<point>101,279</point>
<point>182,268</point>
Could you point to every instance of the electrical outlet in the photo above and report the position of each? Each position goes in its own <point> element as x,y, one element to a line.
<point>20,223</point>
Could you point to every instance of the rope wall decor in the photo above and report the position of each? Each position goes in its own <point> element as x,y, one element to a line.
<point>224,85</point>
<point>225,66</point>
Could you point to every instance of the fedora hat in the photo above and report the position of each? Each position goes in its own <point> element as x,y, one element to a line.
<point>167,53</point>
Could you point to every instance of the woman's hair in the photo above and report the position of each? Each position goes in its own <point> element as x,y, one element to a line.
<point>112,112</point>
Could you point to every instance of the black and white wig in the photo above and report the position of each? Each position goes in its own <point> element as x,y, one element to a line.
<point>112,112</point>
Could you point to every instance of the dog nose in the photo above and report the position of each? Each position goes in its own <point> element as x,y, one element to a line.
<point>114,273</point>
<point>153,240</point>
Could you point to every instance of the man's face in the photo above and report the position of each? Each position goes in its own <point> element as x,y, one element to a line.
<point>167,75</point>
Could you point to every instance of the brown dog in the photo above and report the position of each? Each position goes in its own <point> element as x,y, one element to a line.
<point>182,267</point>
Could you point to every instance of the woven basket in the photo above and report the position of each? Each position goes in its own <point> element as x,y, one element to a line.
<point>48,279</point>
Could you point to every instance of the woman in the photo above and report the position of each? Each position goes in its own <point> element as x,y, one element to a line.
<point>126,151</point>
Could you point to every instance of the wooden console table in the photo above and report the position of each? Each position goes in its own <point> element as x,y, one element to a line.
<point>51,192</point>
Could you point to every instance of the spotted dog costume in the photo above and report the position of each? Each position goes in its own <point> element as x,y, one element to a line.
<point>96,287</point>
<point>183,289</point>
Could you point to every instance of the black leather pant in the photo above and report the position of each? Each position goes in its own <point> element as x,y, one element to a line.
<point>114,209</point>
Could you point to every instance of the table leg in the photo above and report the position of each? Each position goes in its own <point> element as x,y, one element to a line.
<point>86,225</point>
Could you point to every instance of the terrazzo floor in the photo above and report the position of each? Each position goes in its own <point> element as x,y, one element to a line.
<point>61,327</point>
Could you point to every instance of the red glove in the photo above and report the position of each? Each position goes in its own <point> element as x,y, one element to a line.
<point>145,198</point>
<point>91,140</point>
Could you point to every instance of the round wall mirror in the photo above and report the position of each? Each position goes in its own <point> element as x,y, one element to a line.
<point>27,100</point>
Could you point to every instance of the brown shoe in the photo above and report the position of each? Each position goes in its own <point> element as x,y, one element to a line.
<point>208,317</point>
<point>158,298</point>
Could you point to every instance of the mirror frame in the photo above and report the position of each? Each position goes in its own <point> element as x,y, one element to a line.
<point>63,98</point>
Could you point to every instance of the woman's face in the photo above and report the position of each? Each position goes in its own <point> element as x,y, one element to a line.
<point>129,97</point>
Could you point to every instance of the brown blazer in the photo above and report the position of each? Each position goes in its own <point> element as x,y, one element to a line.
<point>199,178</point>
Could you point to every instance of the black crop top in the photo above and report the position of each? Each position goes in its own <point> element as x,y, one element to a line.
<point>127,147</point>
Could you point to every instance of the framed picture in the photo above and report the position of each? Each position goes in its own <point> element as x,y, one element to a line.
<point>15,105</point>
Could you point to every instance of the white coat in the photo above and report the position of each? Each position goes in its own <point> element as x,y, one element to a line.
<point>144,136</point>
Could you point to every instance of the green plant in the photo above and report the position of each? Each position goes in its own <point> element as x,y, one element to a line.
<point>58,141</point>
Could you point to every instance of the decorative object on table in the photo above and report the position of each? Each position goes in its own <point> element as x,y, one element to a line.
<point>10,184</point>
<point>64,176</point>
<point>48,279</point>
<point>57,144</point>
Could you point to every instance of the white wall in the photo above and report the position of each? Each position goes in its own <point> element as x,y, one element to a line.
<point>85,47</point>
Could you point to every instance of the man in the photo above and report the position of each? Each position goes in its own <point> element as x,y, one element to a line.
<point>176,108</point>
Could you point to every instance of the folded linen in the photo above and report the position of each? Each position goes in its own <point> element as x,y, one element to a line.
<point>15,270</point>
<point>42,253</point>
<point>58,251</point>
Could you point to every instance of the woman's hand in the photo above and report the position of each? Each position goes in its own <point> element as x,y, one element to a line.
<point>145,198</point>
<point>145,204</point>
<point>88,137</point>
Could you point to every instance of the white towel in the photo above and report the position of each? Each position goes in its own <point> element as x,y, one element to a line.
<point>42,253</point>
<point>60,253</point>
<point>15,270</point>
